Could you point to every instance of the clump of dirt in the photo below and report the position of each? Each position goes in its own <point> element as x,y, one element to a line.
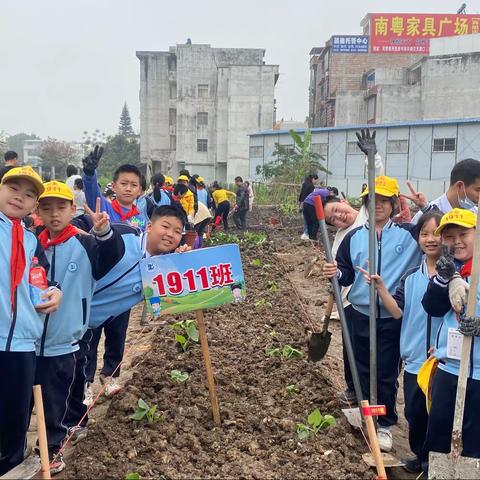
<point>258,436</point>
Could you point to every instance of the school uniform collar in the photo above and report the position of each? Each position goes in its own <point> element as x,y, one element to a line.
<point>388,225</point>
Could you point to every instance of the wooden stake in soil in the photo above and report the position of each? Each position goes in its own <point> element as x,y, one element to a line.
<point>208,367</point>
<point>41,431</point>
<point>372,437</point>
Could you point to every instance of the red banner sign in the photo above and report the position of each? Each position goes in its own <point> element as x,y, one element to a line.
<point>411,32</point>
<point>374,411</point>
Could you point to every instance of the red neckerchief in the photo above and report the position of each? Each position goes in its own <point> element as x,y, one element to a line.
<point>466,269</point>
<point>17,258</point>
<point>124,216</point>
<point>68,232</point>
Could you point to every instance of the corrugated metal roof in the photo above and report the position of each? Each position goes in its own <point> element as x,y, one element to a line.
<point>418,123</point>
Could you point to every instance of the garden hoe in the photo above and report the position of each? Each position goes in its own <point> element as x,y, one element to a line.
<point>320,341</point>
<point>453,465</point>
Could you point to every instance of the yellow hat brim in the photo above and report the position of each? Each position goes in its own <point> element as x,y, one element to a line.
<point>56,195</point>
<point>380,191</point>
<point>459,223</point>
<point>38,184</point>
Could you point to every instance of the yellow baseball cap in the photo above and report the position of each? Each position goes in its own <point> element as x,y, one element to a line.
<point>56,189</point>
<point>168,180</point>
<point>457,216</point>
<point>200,180</point>
<point>182,177</point>
<point>386,186</point>
<point>27,173</point>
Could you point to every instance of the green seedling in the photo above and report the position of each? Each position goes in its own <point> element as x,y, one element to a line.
<point>186,333</point>
<point>179,376</point>
<point>315,422</point>
<point>146,412</point>
<point>273,334</point>
<point>254,238</point>
<point>273,352</point>
<point>256,262</point>
<point>220,238</point>
<point>293,389</point>
<point>272,286</point>
<point>132,476</point>
<point>290,352</point>
<point>262,303</point>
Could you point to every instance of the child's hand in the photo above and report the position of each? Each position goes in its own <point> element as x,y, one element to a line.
<point>101,220</point>
<point>330,269</point>
<point>53,298</point>
<point>376,279</point>
<point>183,249</point>
<point>418,198</point>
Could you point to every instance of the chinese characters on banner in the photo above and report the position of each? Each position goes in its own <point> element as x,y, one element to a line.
<point>411,32</point>
<point>196,280</point>
<point>350,44</point>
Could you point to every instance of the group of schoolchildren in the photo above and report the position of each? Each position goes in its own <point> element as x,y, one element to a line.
<point>91,261</point>
<point>422,274</point>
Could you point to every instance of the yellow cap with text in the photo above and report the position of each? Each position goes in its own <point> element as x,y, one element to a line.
<point>26,173</point>
<point>168,180</point>
<point>182,177</point>
<point>457,216</point>
<point>386,186</point>
<point>56,189</point>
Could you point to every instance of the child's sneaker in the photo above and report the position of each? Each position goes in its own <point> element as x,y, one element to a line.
<point>113,387</point>
<point>56,463</point>
<point>385,439</point>
<point>77,434</point>
<point>304,237</point>
<point>88,395</point>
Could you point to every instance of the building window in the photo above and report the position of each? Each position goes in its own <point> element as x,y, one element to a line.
<point>202,118</point>
<point>202,145</point>
<point>444,144</point>
<point>172,116</point>
<point>320,148</point>
<point>202,89</point>
<point>173,142</point>
<point>397,146</point>
<point>352,148</point>
<point>173,90</point>
<point>256,152</point>
<point>172,63</point>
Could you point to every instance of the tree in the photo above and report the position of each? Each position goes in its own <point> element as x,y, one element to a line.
<point>15,143</point>
<point>292,165</point>
<point>89,140</point>
<point>125,128</point>
<point>119,149</point>
<point>57,154</point>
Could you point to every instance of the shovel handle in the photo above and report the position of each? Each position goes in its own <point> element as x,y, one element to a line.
<point>319,208</point>
<point>328,313</point>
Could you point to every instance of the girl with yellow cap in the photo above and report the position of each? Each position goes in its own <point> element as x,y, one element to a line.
<point>397,251</point>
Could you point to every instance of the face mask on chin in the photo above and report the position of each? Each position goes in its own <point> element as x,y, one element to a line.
<point>465,203</point>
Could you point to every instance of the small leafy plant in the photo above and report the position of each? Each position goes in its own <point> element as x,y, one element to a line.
<point>262,303</point>
<point>256,262</point>
<point>315,422</point>
<point>273,352</point>
<point>186,333</point>
<point>178,376</point>
<point>272,286</point>
<point>220,238</point>
<point>132,476</point>
<point>293,389</point>
<point>290,352</point>
<point>254,238</point>
<point>146,412</point>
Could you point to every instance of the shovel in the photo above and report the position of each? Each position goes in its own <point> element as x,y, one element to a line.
<point>453,465</point>
<point>320,341</point>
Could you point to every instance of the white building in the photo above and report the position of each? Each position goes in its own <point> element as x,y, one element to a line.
<point>197,106</point>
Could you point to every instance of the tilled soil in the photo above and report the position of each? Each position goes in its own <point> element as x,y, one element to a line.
<point>258,436</point>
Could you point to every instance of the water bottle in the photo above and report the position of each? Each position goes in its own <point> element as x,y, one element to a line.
<point>38,282</point>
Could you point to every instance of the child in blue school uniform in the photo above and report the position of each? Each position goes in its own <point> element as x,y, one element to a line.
<point>77,260</point>
<point>20,325</point>
<point>418,331</point>
<point>448,289</point>
<point>121,289</point>
<point>397,251</point>
<point>127,187</point>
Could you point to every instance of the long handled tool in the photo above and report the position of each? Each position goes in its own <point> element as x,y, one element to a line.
<point>453,465</point>
<point>320,341</point>
<point>348,344</point>
<point>42,431</point>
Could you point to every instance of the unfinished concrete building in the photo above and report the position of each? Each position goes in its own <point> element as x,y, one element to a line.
<point>197,106</point>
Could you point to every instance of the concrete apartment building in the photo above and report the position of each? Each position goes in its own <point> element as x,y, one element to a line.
<point>197,106</point>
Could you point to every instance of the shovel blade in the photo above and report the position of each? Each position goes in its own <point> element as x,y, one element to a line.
<point>353,416</point>
<point>318,345</point>
<point>444,466</point>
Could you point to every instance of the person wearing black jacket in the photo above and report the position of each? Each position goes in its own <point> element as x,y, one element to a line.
<point>242,205</point>
<point>308,186</point>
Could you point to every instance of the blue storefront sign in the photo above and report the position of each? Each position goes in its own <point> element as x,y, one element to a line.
<point>350,44</point>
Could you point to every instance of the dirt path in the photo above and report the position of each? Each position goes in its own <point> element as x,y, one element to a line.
<point>258,437</point>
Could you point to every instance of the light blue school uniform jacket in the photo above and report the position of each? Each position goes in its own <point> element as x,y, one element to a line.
<point>20,326</point>
<point>397,251</point>
<point>76,264</point>
<point>419,329</point>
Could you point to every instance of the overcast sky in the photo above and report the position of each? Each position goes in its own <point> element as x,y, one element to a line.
<point>68,65</point>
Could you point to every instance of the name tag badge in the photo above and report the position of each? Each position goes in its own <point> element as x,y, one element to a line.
<point>454,344</point>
